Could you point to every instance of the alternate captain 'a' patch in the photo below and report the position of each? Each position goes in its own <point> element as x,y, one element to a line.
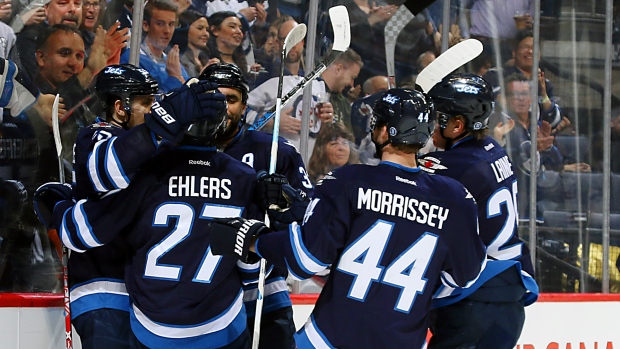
<point>431,164</point>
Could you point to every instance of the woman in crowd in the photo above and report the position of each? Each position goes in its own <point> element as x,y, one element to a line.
<point>331,150</point>
<point>226,38</point>
<point>196,56</point>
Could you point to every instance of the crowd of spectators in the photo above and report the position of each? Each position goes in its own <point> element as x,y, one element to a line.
<point>62,44</point>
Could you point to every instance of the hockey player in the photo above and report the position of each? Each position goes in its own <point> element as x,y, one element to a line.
<point>182,295</point>
<point>391,234</point>
<point>254,148</point>
<point>107,156</point>
<point>489,314</point>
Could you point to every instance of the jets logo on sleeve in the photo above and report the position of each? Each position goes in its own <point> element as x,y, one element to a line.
<point>431,164</point>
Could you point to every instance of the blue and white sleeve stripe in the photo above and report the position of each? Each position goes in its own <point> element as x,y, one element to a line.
<point>307,263</point>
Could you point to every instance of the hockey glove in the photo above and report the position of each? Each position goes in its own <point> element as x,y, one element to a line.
<point>46,197</point>
<point>180,108</point>
<point>233,236</point>
<point>283,203</point>
<point>269,190</point>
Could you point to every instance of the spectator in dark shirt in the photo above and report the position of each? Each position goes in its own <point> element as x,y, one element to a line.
<point>67,12</point>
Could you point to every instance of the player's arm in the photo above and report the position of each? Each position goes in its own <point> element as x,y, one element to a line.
<point>310,247</point>
<point>304,250</point>
<point>88,223</point>
<point>467,253</point>
<point>113,160</point>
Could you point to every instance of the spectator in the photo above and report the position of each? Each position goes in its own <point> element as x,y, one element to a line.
<point>361,109</point>
<point>226,38</point>
<point>519,103</point>
<point>60,58</point>
<point>375,84</point>
<point>91,15</point>
<point>160,20</point>
<point>368,20</point>
<point>523,54</point>
<point>68,12</point>
<point>334,147</point>
<point>262,98</point>
<point>339,75</point>
<point>196,57</point>
<point>493,19</point>
<point>269,55</point>
<point>424,59</point>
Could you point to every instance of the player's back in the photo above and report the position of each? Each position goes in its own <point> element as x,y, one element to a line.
<point>485,169</point>
<point>182,295</point>
<point>390,234</point>
<point>174,280</point>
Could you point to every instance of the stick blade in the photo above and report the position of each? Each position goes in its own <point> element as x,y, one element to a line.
<point>447,62</point>
<point>339,17</point>
<point>416,6</point>
<point>295,36</point>
<point>56,126</point>
<point>392,29</point>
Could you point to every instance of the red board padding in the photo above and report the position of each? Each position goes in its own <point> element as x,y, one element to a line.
<point>42,300</point>
<point>32,300</point>
<point>300,299</point>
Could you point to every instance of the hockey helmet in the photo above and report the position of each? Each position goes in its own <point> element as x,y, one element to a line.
<point>463,94</point>
<point>124,81</point>
<point>202,132</point>
<point>227,75</point>
<point>408,114</point>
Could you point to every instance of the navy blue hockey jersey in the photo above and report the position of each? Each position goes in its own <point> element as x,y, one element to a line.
<point>484,168</point>
<point>254,149</point>
<point>391,235</point>
<point>105,157</point>
<point>182,295</point>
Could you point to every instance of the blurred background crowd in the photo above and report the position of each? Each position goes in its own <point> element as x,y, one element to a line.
<point>60,46</point>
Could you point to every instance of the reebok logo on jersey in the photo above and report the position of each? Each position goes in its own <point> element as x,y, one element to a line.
<point>199,162</point>
<point>431,164</point>
<point>489,146</point>
<point>405,180</point>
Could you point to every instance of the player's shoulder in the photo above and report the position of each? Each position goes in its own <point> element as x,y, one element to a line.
<point>233,165</point>
<point>348,174</point>
<point>260,138</point>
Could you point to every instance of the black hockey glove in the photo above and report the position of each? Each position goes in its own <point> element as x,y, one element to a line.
<point>46,197</point>
<point>269,190</point>
<point>283,203</point>
<point>182,107</point>
<point>233,236</point>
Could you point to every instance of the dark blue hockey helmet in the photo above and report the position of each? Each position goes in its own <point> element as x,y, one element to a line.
<point>463,94</point>
<point>124,81</point>
<point>408,114</point>
<point>227,75</point>
<point>201,133</point>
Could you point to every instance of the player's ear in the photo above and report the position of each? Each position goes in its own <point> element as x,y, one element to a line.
<point>119,109</point>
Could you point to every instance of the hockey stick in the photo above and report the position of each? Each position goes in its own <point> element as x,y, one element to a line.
<point>295,36</point>
<point>447,62</point>
<point>393,27</point>
<point>65,256</point>
<point>339,17</point>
